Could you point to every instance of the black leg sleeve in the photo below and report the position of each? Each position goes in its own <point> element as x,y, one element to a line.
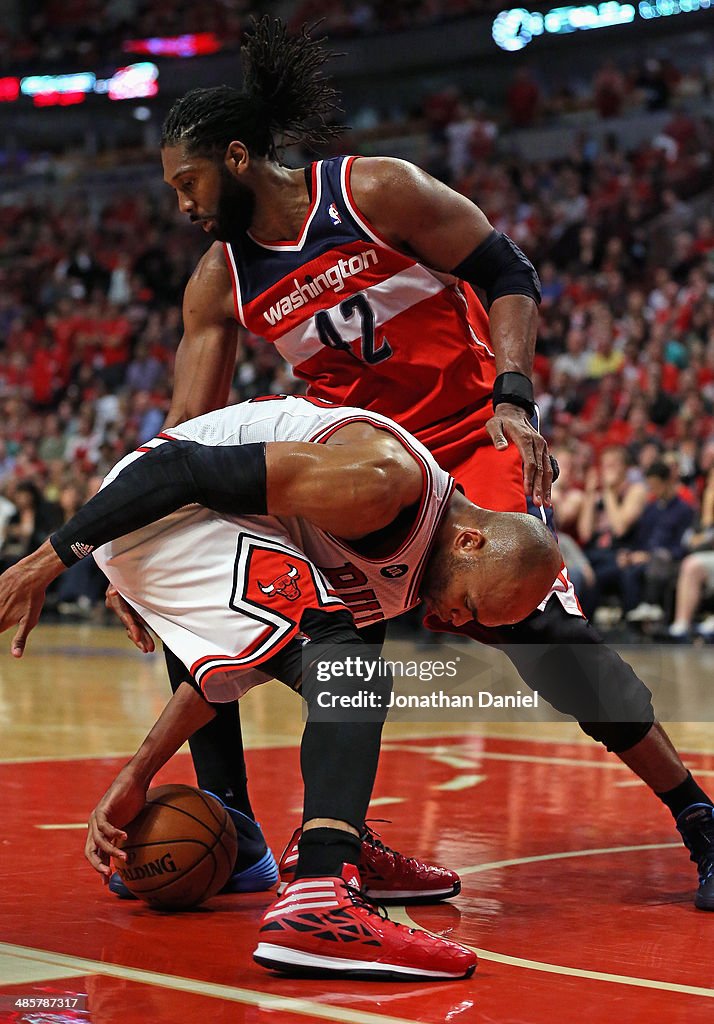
<point>217,748</point>
<point>566,660</point>
<point>340,748</point>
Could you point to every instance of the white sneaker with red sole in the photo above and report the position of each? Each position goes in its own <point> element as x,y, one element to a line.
<point>324,926</point>
<point>387,876</point>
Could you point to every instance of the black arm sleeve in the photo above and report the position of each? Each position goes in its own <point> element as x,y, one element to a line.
<point>499,267</point>
<point>230,479</point>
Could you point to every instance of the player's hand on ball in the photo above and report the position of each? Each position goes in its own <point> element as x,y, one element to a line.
<point>121,803</point>
<point>511,423</point>
<point>136,628</point>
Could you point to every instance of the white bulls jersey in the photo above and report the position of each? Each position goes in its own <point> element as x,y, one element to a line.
<point>225,593</point>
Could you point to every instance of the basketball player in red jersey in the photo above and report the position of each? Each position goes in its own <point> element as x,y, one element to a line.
<point>361,271</point>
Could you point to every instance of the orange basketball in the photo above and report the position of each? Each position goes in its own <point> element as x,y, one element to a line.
<point>181,848</point>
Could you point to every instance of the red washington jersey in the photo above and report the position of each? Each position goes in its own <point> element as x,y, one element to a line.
<point>359,320</point>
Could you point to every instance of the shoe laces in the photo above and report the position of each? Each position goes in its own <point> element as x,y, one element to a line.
<point>359,901</point>
<point>373,838</point>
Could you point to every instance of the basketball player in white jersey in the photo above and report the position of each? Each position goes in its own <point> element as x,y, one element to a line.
<point>243,538</point>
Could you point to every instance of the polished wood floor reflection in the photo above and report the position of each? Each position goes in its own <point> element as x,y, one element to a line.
<point>576,889</point>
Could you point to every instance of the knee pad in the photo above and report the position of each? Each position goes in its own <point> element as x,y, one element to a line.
<point>566,660</point>
<point>617,737</point>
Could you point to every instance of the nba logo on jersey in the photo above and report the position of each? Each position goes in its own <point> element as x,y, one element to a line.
<point>334,215</point>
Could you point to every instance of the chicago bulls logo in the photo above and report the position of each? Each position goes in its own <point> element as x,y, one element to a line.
<point>275,585</point>
<point>286,584</point>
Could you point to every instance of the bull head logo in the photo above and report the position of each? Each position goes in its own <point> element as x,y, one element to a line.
<point>285,585</point>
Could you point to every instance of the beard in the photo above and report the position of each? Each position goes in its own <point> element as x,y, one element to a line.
<point>234,209</point>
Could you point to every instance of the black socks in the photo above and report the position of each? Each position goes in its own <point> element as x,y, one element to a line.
<point>323,851</point>
<point>684,795</point>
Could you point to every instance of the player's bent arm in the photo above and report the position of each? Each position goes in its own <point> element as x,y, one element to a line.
<point>350,490</point>
<point>185,713</point>
<point>446,231</point>
<point>206,356</point>
<point>343,488</point>
<point>347,489</point>
<point>416,213</point>
<point>442,229</point>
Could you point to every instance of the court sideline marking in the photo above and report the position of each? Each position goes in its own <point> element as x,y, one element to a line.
<point>263,1000</point>
<point>475,869</point>
<point>400,914</point>
<point>277,741</point>
<point>454,752</point>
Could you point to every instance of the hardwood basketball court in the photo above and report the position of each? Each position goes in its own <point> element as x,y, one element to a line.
<point>577,892</point>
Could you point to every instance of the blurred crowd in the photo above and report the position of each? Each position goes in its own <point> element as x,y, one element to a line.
<point>92,32</point>
<point>95,30</point>
<point>89,324</point>
<point>625,378</point>
<point>544,97</point>
<point>357,17</point>
<point>624,241</point>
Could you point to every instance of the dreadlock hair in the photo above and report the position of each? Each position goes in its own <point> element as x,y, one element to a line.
<point>284,93</point>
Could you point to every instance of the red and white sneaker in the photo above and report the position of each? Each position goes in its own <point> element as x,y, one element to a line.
<point>325,926</point>
<point>387,876</point>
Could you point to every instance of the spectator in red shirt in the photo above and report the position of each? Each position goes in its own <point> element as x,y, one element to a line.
<point>523,99</point>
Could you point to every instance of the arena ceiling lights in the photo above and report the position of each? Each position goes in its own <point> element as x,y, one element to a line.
<point>514,29</point>
<point>136,81</point>
<point>194,44</point>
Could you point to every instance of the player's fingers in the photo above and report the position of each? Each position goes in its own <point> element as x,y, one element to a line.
<point>126,616</point>
<point>495,431</point>
<point>530,465</point>
<point>134,625</point>
<point>548,478</point>
<point>133,631</point>
<point>542,466</point>
<point>139,635</point>
<point>135,628</point>
<point>537,491</point>
<point>144,640</point>
<point>99,861</point>
<point>107,837</point>
<point>110,843</point>
<point>116,603</point>
<point>19,641</point>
